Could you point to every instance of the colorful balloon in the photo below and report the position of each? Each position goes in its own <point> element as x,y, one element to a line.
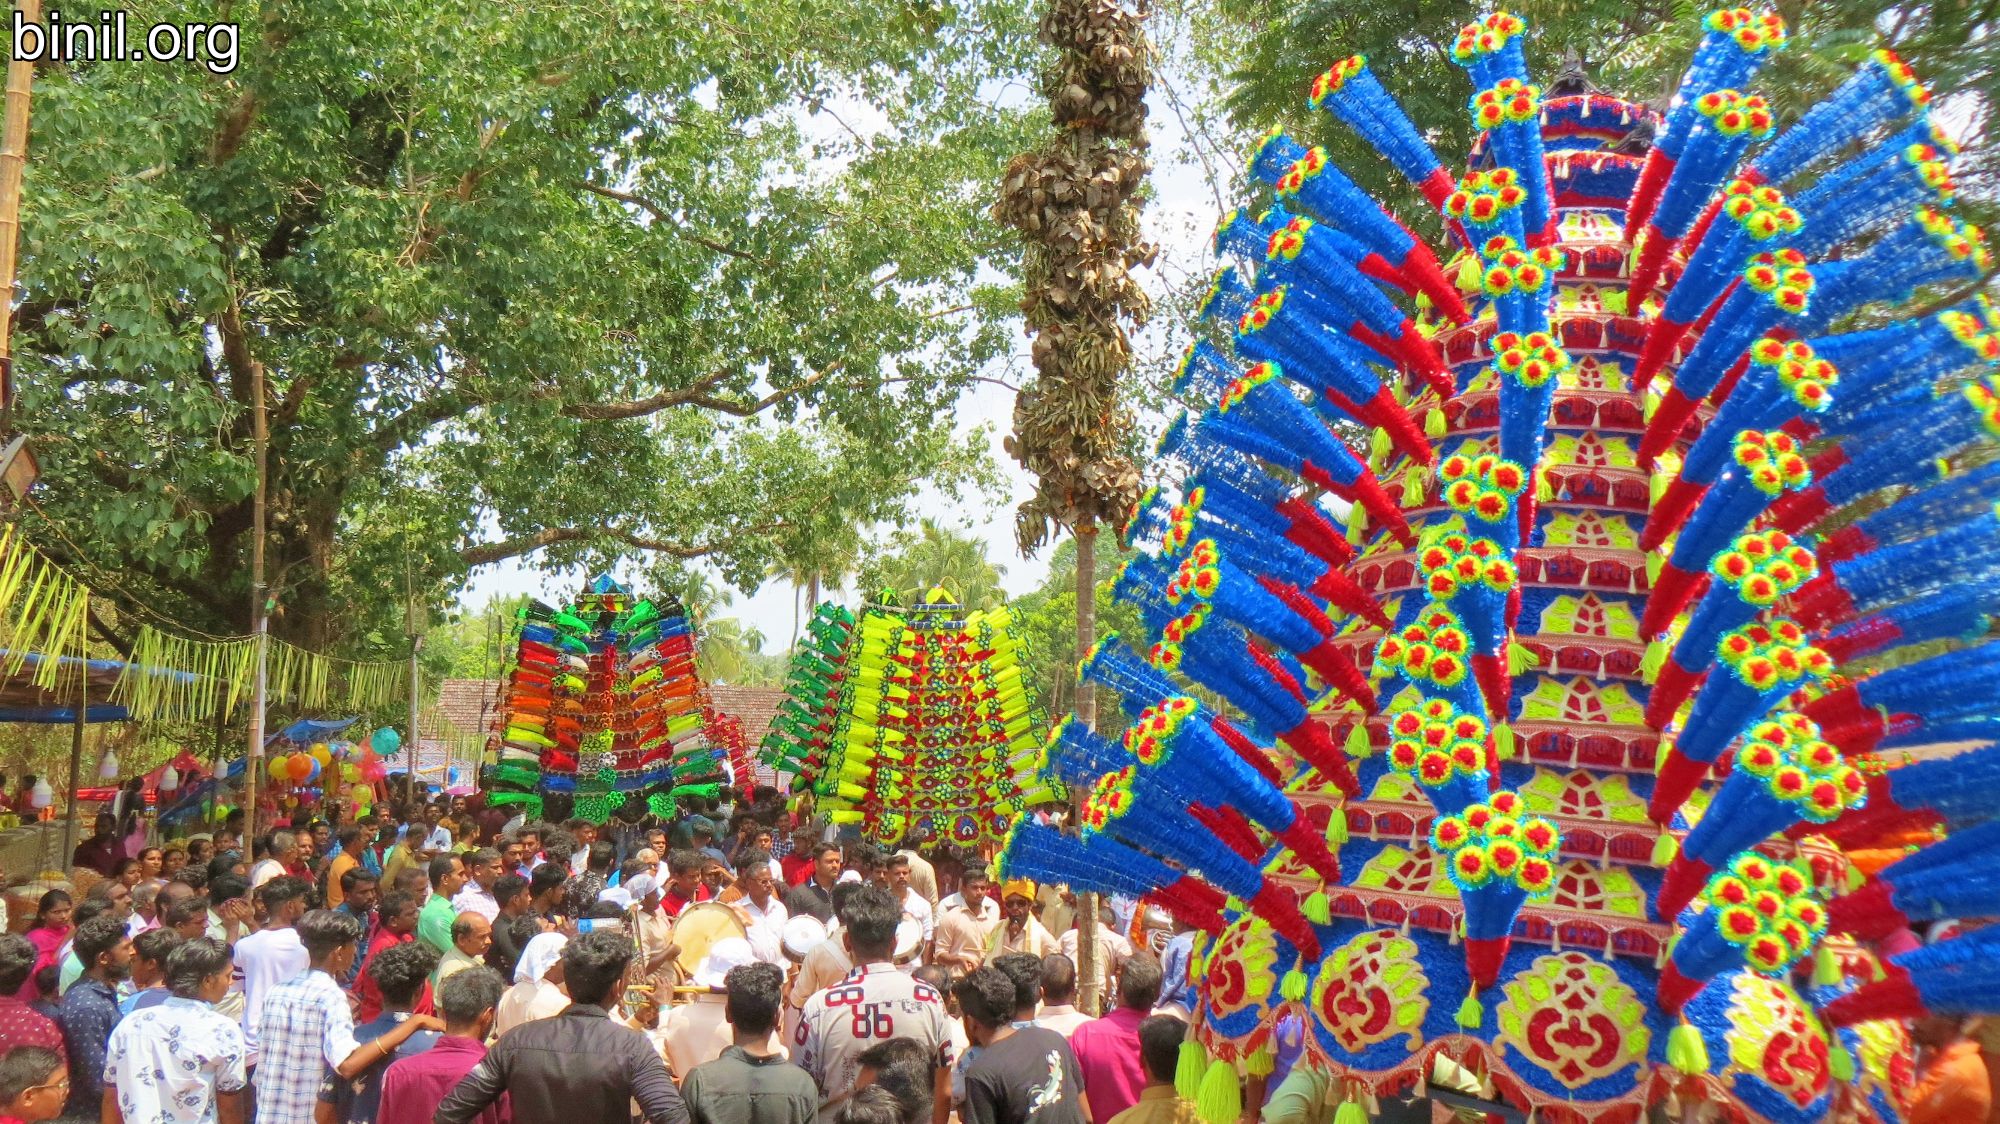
<point>301,767</point>
<point>385,741</point>
<point>279,767</point>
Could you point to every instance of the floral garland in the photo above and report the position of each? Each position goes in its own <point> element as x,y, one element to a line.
<point>1764,657</point>
<point>1773,460</point>
<point>1493,845</point>
<point>1763,566</point>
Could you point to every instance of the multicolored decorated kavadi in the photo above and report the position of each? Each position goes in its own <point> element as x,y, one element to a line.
<point>1645,688</point>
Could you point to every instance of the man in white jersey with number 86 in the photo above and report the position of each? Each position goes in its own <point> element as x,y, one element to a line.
<point>876,1002</point>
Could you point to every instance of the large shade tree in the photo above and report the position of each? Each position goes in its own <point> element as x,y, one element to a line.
<point>576,281</point>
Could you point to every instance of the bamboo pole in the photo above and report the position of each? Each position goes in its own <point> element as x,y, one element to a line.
<point>75,761</point>
<point>416,646</point>
<point>1089,975</point>
<point>13,163</point>
<point>260,616</point>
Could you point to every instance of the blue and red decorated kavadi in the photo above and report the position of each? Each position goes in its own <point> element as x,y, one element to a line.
<point>1597,752</point>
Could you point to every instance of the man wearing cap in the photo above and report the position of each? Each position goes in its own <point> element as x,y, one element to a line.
<point>1022,931</point>
<point>698,1031</point>
<point>655,930</point>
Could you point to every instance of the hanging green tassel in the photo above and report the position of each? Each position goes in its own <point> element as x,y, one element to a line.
<point>1654,659</point>
<point>1470,1013</point>
<point>1350,1112</point>
<point>1435,423</point>
<point>1317,909</point>
<point>1686,1051</point>
<point>1261,1061</point>
<point>1293,986</point>
<point>1187,1069</point>
<point>1503,742</point>
<point>1220,1100</point>
<point>1379,446</point>
<point>1358,743</point>
<point>1336,828</point>
<point>1826,968</point>
<point>1545,488</point>
<point>1413,485</point>
<point>1665,848</point>
<point>1521,659</point>
<point>1840,1064</point>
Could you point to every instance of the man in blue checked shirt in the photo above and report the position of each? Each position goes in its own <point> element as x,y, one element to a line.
<point>307,1024</point>
<point>90,1008</point>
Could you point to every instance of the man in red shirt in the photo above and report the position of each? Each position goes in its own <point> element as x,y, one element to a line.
<point>797,866</point>
<point>398,926</point>
<point>20,1024</point>
<point>413,1086</point>
<point>684,884</point>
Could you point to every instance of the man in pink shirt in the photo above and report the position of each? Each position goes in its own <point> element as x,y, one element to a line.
<point>1107,1049</point>
<point>413,1086</point>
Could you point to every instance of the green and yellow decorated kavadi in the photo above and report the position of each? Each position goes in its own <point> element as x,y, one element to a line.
<point>911,723</point>
<point>1582,755</point>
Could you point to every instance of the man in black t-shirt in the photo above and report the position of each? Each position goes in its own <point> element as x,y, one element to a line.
<point>1024,1074</point>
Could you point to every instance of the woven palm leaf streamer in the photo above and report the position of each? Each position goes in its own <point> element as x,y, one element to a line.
<point>602,705</point>
<point>1599,587</point>
<point>912,719</point>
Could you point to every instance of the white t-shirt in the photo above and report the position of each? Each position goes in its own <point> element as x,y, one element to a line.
<point>875,1002</point>
<point>264,960</point>
<point>916,907</point>
<point>264,871</point>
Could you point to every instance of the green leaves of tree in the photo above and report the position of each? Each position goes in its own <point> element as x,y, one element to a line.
<point>584,279</point>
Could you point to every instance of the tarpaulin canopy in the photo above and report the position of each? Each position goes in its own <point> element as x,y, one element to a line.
<point>308,730</point>
<point>23,700</point>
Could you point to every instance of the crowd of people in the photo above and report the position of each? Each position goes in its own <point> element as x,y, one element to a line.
<point>460,962</point>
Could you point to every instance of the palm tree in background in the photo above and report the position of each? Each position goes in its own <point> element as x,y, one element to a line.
<point>910,565</point>
<point>825,562</point>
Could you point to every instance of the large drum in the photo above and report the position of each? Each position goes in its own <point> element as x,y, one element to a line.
<point>698,928</point>
<point>909,939</point>
<point>801,933</point>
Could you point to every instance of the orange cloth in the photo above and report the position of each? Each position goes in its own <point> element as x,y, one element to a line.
<point>1952,1088</point>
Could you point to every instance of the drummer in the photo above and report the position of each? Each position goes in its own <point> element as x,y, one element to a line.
<point>684,886</point>
<point>698,1031</point>
<point>764,916</point>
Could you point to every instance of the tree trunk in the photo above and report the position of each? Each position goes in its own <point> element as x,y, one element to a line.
<point>1088,973</point>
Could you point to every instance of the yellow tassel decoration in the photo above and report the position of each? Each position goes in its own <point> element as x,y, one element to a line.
<point>1665,848</point>
<point>1654,659</point>
<point>1316,908</point>
<point>1358,743</point>
<point>1470,1013</point>
<point>1220,1100</point>
<point>1188,1069</point>
<point>1686,1051</point>
<point>1336,828</point>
